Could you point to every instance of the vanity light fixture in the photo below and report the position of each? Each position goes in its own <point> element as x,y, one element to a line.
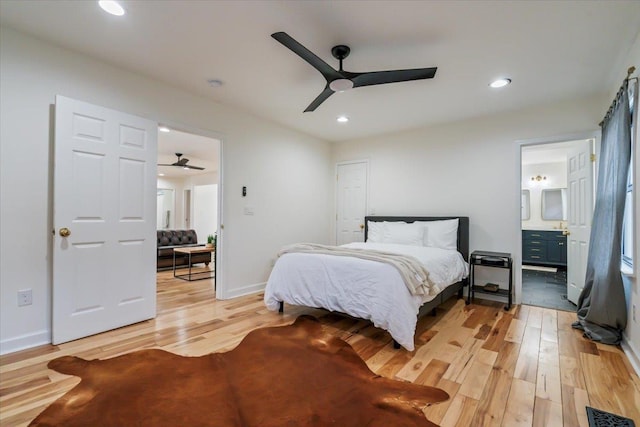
<point>164,129</point>
<point>538,178</point>
<point>499,83</point>
<point>342,119</point>
<point>112,7</point>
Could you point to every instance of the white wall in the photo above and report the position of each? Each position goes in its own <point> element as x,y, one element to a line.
<point>466,168</point>
<point>288,174</point>
<point>469,168</point>
<point>179,184</point>
<point>205,210</point>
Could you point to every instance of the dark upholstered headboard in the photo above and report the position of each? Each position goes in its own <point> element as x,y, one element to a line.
<point>463,227</point>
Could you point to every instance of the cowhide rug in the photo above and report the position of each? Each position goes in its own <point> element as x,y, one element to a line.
<point>292,375</point>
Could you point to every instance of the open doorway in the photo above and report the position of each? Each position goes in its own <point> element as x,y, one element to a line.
<point>557,204</point>
<point>188,206</point>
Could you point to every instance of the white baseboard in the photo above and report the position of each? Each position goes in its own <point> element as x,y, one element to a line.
<point>632,354</point>
<point>245,290</point>
<point>24,342</point>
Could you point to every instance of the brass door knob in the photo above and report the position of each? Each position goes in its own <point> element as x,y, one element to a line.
<point>361,226</point>
<point>565,232</point>
<point>64,232</point>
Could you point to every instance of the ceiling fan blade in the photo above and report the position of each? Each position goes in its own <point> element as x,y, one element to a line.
<point>166,164</point>
<point>393,76</point>
<point>325,69</point>
<point>193,167</point>
<point>320,99</point>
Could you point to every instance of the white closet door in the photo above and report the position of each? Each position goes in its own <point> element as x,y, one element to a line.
<point>351,202</point>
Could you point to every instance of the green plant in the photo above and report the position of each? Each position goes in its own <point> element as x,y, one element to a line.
<point>211,238</point>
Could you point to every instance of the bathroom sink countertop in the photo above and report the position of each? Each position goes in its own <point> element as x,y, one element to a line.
<point>541,228</point>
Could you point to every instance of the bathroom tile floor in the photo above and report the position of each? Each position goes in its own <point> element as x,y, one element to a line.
<point>545,289</point>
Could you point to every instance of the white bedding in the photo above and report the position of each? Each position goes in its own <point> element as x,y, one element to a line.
<point>362,288</point>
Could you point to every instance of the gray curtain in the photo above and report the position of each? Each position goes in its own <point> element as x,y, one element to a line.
<point>602,308</point>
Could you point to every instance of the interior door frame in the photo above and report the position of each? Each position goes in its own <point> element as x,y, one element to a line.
<point>366,202</point>
<point>220,284</point>
<point>517,191</point>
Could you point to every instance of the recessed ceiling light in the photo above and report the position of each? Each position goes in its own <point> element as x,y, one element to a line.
<point>164,129</point>
<point>499,83</point>
<point>215,82</point>
<point>342,119</point>
<point>160,174</point>
<point>112,7</point>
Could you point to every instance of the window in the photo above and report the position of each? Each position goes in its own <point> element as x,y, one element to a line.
<point>628,224</point>
<point>627,227</point>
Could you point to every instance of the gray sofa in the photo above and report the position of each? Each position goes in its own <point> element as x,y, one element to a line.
<point>170,239</point>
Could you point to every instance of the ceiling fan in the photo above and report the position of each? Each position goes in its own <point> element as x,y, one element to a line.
<point>341,80</point>
<point>182,162</point>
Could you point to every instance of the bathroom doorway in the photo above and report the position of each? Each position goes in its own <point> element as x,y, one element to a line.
<point>557,203</point>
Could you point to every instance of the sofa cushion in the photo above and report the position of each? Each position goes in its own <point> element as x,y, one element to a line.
<point>176,237</point>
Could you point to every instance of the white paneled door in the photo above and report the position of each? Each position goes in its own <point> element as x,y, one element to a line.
<point>104,256</point>
<point>580,189</point>
<point>351,201</point>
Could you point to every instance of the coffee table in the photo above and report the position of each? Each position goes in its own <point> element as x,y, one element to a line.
<point>198,275</point>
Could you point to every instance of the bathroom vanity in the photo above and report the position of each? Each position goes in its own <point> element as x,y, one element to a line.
<point>544,247</point>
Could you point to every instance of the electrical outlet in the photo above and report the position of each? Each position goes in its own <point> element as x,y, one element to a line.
<point>25,297</point>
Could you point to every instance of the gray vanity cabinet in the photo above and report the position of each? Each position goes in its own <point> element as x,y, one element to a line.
<point>544,248</point>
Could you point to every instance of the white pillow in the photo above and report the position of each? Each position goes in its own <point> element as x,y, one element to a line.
<point>375,231</point>
<point>441,234</point>
<point>403,233</point>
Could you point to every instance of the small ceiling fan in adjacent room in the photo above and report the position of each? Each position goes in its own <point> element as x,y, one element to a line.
<point>341,80</point>
<point>182,162</point>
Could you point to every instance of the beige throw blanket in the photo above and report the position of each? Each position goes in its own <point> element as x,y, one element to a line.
<point>414,274</point>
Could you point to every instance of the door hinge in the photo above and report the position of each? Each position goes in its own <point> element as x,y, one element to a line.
<point>593,157</point>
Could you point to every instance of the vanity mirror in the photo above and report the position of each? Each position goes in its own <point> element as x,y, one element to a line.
<point>554,204</point>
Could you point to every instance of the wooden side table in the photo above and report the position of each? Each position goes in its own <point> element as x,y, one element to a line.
<point>199,275</point>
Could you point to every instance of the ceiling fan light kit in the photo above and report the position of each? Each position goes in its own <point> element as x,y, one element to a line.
<point>341,80</point>
<point>340,85</point>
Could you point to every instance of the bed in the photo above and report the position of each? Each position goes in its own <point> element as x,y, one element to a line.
<point>374,290</point>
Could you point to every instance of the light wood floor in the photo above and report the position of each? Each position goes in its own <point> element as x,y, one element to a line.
<point>519,368</point>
